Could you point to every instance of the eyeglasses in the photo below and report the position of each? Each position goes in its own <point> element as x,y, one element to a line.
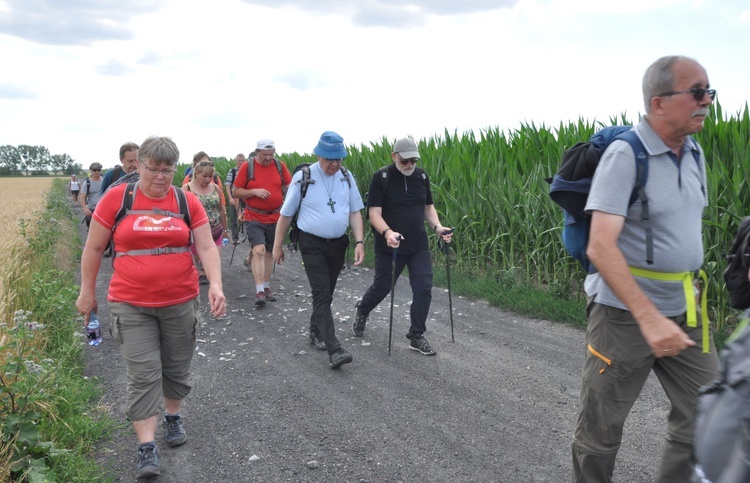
<point>205,163</point>
<point>164,172</point>
<point>698,93</point>
<point>404,162</point>
<point>95,170</point>
<point>331,161</point>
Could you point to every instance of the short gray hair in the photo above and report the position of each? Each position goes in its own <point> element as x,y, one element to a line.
<point>659,78</point>
<point>159,149</point>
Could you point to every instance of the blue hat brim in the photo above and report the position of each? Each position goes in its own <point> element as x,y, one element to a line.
<point>324,152</point>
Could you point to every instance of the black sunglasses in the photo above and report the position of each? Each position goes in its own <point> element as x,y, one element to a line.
<point>96,170</point>
<point>698,93</point>
<point>404,162</point>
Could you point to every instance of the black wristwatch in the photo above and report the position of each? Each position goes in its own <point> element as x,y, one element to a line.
<point>358,242</point>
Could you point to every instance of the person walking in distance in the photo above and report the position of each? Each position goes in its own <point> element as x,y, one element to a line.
<point>74,187</point>
<point>262,192</point>
<point>399,203</point>
<point>638,316</point>
<point>331,205</point>
<point>91,191</point>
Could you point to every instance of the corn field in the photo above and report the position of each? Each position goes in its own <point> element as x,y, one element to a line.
<point>491,187</point>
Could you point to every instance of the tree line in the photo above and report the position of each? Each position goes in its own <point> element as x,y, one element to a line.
<point>35,160</point>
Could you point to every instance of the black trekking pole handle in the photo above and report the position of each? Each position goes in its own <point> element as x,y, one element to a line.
<point>446,249</point>
<point>393,285</point>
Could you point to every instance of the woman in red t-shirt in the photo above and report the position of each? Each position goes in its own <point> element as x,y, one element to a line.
<point>153,293</point>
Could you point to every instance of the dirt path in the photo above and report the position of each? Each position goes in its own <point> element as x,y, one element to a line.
<point>498,405</point>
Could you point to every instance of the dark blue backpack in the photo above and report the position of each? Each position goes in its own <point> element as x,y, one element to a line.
<point>570,188</point>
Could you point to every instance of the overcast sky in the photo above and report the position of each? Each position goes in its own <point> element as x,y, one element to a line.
<point>84,76</point>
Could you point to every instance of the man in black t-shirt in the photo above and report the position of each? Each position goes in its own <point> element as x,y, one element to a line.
<point>399,202</point>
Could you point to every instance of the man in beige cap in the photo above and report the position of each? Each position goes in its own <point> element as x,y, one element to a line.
<point>91,191</point>
<point>399,204</point>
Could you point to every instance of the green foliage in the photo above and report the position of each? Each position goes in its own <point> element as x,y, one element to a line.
<point>24,382</point>
<point>491,187</point>
<point>47,420</point>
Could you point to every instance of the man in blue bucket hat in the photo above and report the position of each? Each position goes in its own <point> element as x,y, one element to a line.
<point>330,205</point>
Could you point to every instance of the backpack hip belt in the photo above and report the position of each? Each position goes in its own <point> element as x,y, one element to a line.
<point>263,212</point>
<point>687,285</point>
<point>153,251</point>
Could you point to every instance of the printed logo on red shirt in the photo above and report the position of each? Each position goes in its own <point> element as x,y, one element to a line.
<point>155,223</point>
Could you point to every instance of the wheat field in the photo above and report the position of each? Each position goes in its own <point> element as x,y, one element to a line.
<point>19,198</point>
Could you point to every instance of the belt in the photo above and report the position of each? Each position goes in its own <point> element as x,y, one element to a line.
<point>262,212</point>
<point>687,285</point>
<point>327,240</point>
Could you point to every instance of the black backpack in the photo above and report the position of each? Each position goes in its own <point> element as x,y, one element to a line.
<point>382,173</point>
<point>721,446</point>
<point>304,183</point>
<point>736,272</point>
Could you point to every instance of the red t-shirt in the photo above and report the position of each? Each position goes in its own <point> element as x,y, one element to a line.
<point>265,177</point>
<point>151,280</point>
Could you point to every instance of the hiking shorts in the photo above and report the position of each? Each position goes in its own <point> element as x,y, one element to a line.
<point>157,344</point>
<point>260,234</point>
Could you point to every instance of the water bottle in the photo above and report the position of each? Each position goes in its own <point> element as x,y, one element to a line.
<point>93,330</point>
<point>225,241</point>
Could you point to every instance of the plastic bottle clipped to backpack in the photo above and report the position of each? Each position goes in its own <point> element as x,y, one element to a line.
<point>225,241</point>
<point>94,331</point>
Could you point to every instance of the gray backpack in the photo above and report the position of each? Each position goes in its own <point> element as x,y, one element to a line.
<point>721,442</point>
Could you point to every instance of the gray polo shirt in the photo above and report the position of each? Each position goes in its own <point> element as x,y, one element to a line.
<point>677,197</point>
<point>315,214</point>
<point>95,188</point>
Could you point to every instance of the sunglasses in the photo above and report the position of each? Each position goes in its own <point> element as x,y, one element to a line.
<point>698,93</point>
<point>205,163</point>
<point>404,162</point>
<point>96,170</point>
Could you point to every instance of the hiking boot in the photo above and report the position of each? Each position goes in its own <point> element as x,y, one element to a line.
<point>339,358</point>
<point>269,295</point>
<point>148,461</point>
<point>175,434</point>
<point>315,341</point>
<point>422,345</point>
<point>260,299</point>
<point>358,324</point>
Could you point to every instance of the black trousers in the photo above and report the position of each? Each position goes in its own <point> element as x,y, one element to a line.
<point>420,279</point>
<point>323,259</point>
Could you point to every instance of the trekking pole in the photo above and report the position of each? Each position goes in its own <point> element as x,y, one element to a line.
<point>232,257</point>
<point>393,285</point>
<point>446,249</point>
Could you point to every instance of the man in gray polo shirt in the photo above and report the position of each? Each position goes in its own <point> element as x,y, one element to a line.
<point>91,191</point>
<point>638,317</point>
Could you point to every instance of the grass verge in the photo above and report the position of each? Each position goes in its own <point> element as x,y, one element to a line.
<point>49,417</point>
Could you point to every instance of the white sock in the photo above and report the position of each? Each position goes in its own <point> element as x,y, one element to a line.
<point>259,288</point>
<point>266,284</point>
